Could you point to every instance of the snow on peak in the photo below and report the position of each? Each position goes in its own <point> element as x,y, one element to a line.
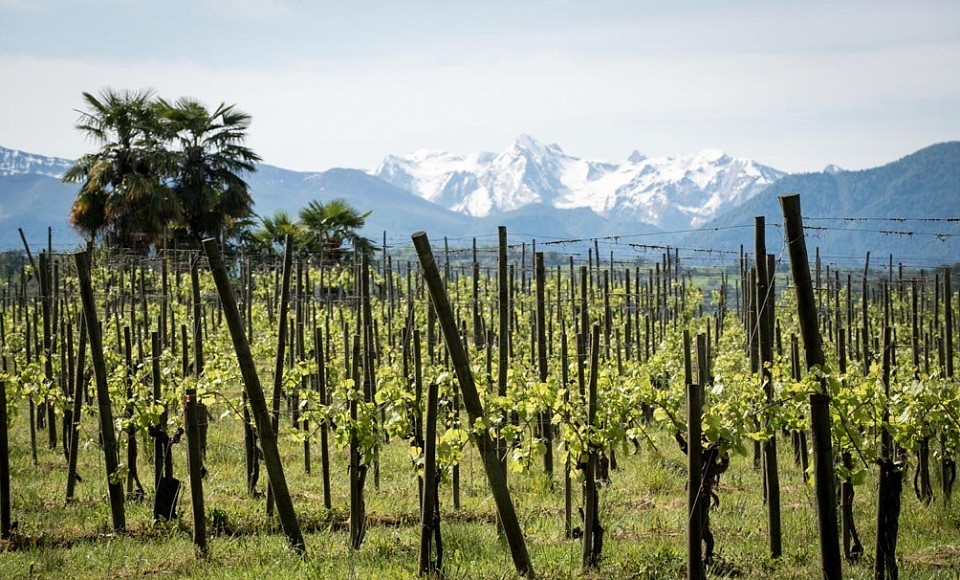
<point>526,144</point>
<point>833,169</point>
<point>669,192</point>
<point>711,155</point>
<point>14,162</point>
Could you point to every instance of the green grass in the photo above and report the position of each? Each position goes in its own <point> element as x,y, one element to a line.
<point>642,509</point>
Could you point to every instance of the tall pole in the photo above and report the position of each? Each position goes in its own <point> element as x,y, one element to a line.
<point>471,400</point>
<point>258,403</point>
<point>819,401</point>
<point>107,434</point>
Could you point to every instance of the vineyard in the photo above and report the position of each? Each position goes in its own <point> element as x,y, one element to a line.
<point>489,411</point>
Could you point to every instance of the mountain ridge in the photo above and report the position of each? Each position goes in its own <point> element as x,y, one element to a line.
<point>16,162</point>
<point>676,192</point>
<point>898,207</point>
<point>924,184</point>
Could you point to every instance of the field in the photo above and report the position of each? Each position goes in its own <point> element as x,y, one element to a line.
<point>600,381</point>
<point>643,511</point>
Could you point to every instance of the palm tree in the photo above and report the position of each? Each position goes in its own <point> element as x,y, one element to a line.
<point>209,160</point>
<point>123,195</point>
<point>329,225</point>
<point>274,229</point>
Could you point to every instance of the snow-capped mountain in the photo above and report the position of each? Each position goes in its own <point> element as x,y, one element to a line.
<point>668,192</point>
<point>13,162</point>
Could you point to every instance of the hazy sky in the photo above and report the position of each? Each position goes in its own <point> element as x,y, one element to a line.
<point>792,84</point>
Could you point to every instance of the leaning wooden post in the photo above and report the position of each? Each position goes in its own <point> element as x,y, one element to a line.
<point>107,434</point>
<point>471,400</point>
<point>819,402</point>
<point>258,404</point>
<point>191,420</point>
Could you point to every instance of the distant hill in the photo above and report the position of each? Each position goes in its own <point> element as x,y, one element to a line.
<point>392,209</point>
<point>35,202</point>
<point>916,189</point>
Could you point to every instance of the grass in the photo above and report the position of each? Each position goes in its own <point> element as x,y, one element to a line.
<point>642,510</point>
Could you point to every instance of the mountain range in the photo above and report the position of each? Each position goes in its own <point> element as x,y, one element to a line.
<point>539,191</point>
<point>667,192</point>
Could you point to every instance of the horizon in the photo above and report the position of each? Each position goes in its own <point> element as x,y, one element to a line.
<point>795,87</point>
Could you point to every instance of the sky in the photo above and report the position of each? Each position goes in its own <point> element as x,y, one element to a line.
<point>795,85</point>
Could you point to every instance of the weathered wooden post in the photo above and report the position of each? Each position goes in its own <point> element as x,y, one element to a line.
<point>694,483</point>
<point>471,399</point>
<point>192,423</point>
<point>258,404</point>
<point>824,477</point>
<point>764,303</point>
<point>107,434</point>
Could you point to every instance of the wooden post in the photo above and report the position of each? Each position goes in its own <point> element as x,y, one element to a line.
<point>819,402</point>
<point>161,444</point>
<point>429,476</point>
<point>592,532</point>
<point>948,461</point>
<point>567,483</point>
<point>198,358</point>
<point>5,523</point>
<point>503,349</point>
<point>546,427</point>
<point>418,427</point>
<point>281,351</point>
<point>358,470</point>
<point>764,301</point>
<point>299,422</point>
<point>852,549</point>
<point>46,304</point>
<point>694,483</point>
<point>134,488</point>
<point>322,386</point>
<point>107,433</point>
<point>78,395</point>
<point>889,485</point>
<point>948,321</point>
<point>191,421</point>
<point>485,445</point>
<point>258,404</point>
